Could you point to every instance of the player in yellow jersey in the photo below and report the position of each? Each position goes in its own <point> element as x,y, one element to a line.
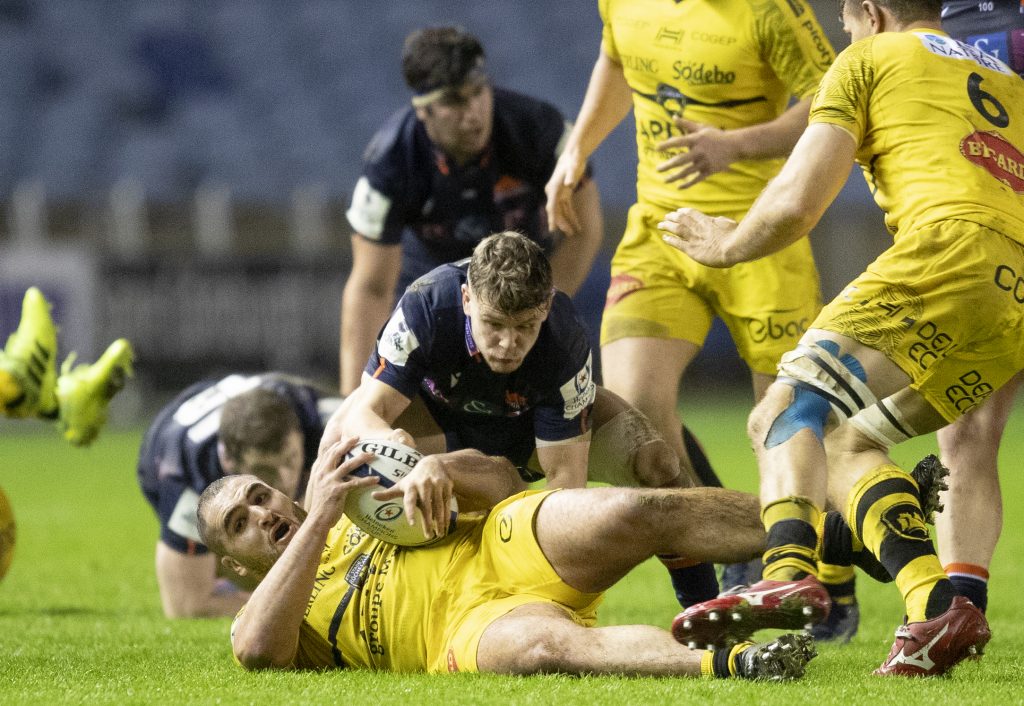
<point>926,334</point>
<point>709,85</point>
<point>969,527</point>
<point>78,398</point>
<point>513,591</point>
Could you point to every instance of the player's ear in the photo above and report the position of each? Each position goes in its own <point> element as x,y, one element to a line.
<point>231,564</point>
<point>226,462</point>
<point>465,299</point>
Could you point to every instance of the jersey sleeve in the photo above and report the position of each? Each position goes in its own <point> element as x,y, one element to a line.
<point>607,38</point>
<point>400,356</point>
<point>378,207</point>
<point>842,97</point>
<point>794,44</point>
<point>176,510</point>
<point>563,411</point>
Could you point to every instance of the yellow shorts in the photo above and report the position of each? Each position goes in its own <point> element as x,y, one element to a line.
<point>945,303</point>
<point>509,570</point>
<point>658,292</point>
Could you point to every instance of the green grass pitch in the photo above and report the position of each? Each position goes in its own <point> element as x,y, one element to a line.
<point>80,618</point>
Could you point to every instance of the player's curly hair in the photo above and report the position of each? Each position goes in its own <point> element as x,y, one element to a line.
<point>511,273</point>
<point>906,10</point>
<point>258,419</point>
<point>436,57</point>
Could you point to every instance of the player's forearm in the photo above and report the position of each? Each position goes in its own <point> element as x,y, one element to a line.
<point>795,200</point>
<point>266,635</point>
<point>478,480</point>
<point>363,311</point>
<point>606,103</point>
<point>571,262</point>
<point>772,139</point>
<point>565,464</point>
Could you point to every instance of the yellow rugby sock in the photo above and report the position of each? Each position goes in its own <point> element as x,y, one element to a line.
<point>792,538</point>
<point>889,521</point>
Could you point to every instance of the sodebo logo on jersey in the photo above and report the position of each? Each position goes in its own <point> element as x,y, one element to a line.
<point>701,75</point>
<point>761,330</point>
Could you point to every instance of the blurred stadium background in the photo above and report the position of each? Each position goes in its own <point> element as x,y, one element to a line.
<point>177,172</point>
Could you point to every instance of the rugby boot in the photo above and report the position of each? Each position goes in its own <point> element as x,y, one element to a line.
<point>935,646</point>
<point>84,391</point>
<point>28,364</point>
<point>783,658</point>
<point>930,476</point>
<point>735,616</point>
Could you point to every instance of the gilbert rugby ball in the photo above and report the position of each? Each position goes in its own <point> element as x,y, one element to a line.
<point>386,519</point>
<point>6,534</point>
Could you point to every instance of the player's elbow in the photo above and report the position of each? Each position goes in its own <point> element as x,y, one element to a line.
<point>259,654</point>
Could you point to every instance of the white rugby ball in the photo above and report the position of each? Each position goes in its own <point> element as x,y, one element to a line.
<point>386,519</point>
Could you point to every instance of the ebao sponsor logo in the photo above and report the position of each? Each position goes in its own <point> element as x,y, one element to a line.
<point>997,156</point>
<point>761,330</point>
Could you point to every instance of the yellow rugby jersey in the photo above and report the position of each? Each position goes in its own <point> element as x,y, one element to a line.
<point>360,616</point>
<point>726,63</point>
<point>940,129</point>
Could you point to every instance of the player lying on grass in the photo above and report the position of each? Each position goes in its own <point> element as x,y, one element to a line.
<point>268,425</point>
<point>77,399</point>
<point>923,336</point>
<point>513,591</point>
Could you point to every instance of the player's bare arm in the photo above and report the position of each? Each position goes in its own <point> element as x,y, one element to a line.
<point>607,102</point>
<point>478,481</point>
<point>189,585</point>
<point>565,463</point>
<point>365,304</point>
<point>710,149</point>
<point>571,262</point>
<point>369,412</point>
<point>266,635</point>
<point>785,211</point>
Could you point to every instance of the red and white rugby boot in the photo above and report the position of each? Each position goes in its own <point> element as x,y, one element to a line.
<point>735,616</point>
<point>935,646</point>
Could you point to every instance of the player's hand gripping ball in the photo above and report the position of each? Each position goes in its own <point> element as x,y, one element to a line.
<point>6,534</point>
<point>386,519</point>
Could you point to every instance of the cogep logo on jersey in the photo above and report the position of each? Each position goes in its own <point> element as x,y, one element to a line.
<point>993,153</point>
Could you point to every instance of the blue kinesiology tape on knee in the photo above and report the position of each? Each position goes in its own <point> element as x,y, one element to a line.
<point>851,363</point>
<point>808,410</point>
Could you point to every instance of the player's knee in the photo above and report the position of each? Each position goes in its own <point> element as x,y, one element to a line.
<point>544,651</point>
<point>655,465</point>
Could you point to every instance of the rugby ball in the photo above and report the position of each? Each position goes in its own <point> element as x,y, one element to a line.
<point>386,519</point>
<point>6,534</point>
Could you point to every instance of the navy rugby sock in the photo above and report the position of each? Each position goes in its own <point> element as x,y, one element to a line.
<point>701,464</point>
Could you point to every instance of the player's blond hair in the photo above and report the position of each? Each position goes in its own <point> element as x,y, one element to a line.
<point>511,273</point>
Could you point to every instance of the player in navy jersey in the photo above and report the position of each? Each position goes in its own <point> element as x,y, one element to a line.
<point>969,526</point>
<point>500,364</point>
<point>267,425</point>
<point>485,354</point>
<point>465,160</point>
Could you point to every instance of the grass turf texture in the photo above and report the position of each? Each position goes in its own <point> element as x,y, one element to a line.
<point>80,617</point>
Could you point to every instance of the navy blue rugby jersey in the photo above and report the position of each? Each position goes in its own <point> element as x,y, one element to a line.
<point>410,193</point>
<point>178,458</point>
<point>427,348</point>
<point>995,27</point>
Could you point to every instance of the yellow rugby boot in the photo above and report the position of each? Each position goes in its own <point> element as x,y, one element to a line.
<point>28,364</point>
<point>84,391</point>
